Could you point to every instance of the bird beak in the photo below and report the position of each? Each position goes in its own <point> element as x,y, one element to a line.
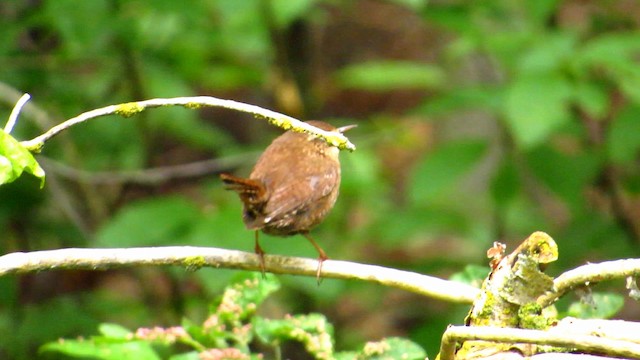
<point>345,128</point>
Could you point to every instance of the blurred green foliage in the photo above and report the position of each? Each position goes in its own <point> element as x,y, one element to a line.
<point>479,121</point>
<point>230,327</point>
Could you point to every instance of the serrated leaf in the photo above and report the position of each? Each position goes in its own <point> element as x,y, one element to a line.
<point>149,222</point>
<point>133,350</point>
<point>16,159</point>
<point>246,292</point>
<point>536,106</point>
<point>313,331</point>
<point>442,168</point>
<point>599,306</point>
<point>390,75</point>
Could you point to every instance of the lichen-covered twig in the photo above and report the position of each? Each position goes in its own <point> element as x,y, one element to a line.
<point>590,274</point>
<point>583,343</point>
<point>133,108</point>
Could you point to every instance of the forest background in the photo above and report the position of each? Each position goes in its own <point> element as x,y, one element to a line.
<point>478,121</point>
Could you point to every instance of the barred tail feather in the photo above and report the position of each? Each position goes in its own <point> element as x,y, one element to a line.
<point>249,190</point>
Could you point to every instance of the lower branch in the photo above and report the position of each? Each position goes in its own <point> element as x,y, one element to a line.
<point>194,258</point>
<point>583,343</point>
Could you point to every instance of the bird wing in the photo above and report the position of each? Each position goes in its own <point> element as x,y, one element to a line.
<point>298,194</point>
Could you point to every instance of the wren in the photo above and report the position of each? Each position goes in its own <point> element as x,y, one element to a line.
<point>292,187</point>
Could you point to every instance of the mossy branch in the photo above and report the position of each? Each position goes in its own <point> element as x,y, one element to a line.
<point>130,109</point>
<point>584,343</point>
<point>193,258</point>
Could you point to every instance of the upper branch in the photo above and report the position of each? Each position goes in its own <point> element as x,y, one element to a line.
<point>589,274</point>
<point>130,109</point>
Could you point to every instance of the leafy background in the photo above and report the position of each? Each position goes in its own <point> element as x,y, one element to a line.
<point>479,121</point>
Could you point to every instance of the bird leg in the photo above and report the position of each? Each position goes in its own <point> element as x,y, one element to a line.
<point>321,255</point>
<point>258,250</point>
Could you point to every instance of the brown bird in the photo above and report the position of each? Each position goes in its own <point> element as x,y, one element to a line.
<point>292,187</point>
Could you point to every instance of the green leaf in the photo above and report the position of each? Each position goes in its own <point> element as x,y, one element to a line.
<point>442,168</point>
<point>599,306</point>
<point>246,292</point>
<point>16,159</point>
<point>547,54</point>
<point>149,222</point>
<point>541,10</point>
<point>392,348</point>
<point>346,355</point>
<point>613,55</point>
<point>133,350</point>
<point>472,275</point>
<point>610,50</point>
<point>114,331</point>
<point>484,98</point>
<point>454,17</point>
<point>623,142</point>
<point>179,122</point>
<point>313,331</point>
<point>193,355</point>
<point>230,77</point>
<point>505,185</point>
<point>566,175</point>
<point>287,11</point>
<point>535,106</point>
<point>591,97</point>
<point>390,75</point>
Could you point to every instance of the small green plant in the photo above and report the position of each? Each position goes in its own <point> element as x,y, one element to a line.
<point>231,331</point>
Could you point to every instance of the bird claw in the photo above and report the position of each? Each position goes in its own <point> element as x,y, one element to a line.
<point>321,260</point>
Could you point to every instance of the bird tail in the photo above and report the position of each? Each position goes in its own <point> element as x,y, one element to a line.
<point>250,191</point>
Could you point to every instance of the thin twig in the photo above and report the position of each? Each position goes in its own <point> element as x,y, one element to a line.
<point>13,118</point>
<point>589,274</point>
<point>153,176</point>
<point>130,109</point>
<point>197,257</point>
<point>585,343</point>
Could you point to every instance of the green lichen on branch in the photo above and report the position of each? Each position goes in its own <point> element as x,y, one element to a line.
<point>194,263</point>
<point>508,295</point>
<point>532,316</point>
<point>129,109</point>
<point>193,105</point>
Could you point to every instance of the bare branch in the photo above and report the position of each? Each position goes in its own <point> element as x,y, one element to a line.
<point>13,117</point>
<point>133,108</point>
<point>10,95</point>
<point>197,257</point>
